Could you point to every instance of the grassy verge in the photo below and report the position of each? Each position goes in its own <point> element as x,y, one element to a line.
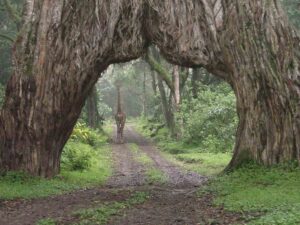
<point>102,214</point>
<point>271,192</point>
<point>20,185</point>
<point>108,128</point>
<point>190,157</point>
<point>153,175</point>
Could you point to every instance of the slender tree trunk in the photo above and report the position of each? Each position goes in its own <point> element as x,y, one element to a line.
<point>92,109</point>
<point>144,96</point>
<point>168,114</point>
<point>176,84</point>
<point>184,75</point>
<point>195,82</point>
<point>154,86</point>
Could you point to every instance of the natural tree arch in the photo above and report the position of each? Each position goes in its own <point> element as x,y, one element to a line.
<point>65,45</point>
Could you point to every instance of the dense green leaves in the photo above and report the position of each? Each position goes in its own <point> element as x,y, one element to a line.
<point>10,11</point>
<point>293,10</point>
<point>210,120</point>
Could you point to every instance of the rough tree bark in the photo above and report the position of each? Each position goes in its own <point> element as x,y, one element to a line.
<point>248,43</point>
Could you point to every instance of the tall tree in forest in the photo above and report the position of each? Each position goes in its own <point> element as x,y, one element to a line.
<point>62,43</point>
<point>93,116</point>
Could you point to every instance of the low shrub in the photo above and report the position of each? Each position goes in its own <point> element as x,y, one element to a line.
<point>210,121</point>
<point>82,133</point>
<point>77,156</point>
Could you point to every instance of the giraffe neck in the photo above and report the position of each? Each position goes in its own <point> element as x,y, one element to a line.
<point>119,109</point>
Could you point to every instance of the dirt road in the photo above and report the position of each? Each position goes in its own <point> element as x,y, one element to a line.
<point>173,201</point>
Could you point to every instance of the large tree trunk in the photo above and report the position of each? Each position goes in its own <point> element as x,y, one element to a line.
<point>63,42</point>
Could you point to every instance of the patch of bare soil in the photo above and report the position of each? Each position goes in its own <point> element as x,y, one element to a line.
<point>176,207</point>
<point>172,203</point>
<point>57,207</point>
<point>127,172</point>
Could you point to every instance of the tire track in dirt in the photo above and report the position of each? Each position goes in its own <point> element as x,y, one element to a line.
<point>176,176</point>
<point>127,172</point>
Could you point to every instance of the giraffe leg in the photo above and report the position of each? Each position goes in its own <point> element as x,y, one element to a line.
<point>118,133</point>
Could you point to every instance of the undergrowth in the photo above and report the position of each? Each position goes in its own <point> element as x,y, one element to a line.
<point>273,193</point>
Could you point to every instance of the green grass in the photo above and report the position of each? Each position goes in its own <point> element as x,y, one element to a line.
<point>154,175</point>
<point>19,185</point>
<point>108,128</point>
<point>140,156</point>
<point>46,222</point>
<point>205,163</point>
<point>102,214</point>
<point>191,157</point>
<point>275,192</point>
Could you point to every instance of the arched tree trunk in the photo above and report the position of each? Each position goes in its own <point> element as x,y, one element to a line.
<point>58,57</point>
<point>248,43</point>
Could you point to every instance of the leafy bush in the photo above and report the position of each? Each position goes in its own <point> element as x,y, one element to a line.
<point>210,120</point>
<point>86,135</point>
<point>77,156</point>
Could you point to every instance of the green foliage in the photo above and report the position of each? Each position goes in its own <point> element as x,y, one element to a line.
<point>204,163</point>
<point>190,156</point>
<point>155,176</point>
<point>101,215</point>
<point>293,10</point>
<point>272,191</point>
<point>77,156</point>
<point>210,120</point>
<point>140,156</point>
<point>82,133</point>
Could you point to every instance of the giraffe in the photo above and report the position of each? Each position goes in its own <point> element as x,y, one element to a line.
<point>120,118</point>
